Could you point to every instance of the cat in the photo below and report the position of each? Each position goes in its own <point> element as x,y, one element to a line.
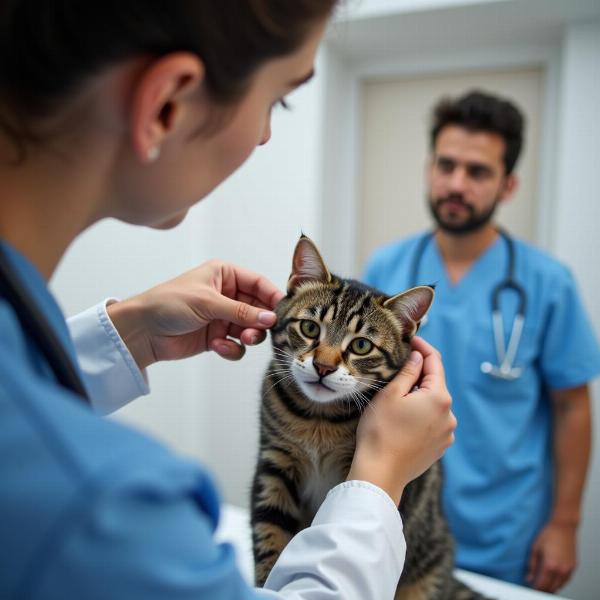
<point>336,343</point>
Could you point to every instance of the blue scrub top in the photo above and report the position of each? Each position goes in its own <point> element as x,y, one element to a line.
<point>89,508</point>
<point>498,475</point>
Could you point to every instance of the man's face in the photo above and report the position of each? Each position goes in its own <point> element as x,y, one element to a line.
<point>467,178</point>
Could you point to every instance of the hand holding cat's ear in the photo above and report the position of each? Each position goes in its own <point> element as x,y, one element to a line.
<point>197,311</point>
<point>406,432</point>
<point>240,320</point>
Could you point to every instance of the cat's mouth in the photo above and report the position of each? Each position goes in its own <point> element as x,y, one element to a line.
<point>318,384</point>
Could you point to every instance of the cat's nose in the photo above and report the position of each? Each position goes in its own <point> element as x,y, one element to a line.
<point>323,370</point>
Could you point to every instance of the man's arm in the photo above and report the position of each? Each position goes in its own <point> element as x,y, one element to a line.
<point>553,555</point>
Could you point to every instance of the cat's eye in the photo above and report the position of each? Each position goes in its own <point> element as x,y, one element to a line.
<point>361,346</point>
<point>310,329</point>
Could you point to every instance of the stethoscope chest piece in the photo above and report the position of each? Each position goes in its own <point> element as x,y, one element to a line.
<point>501,372</point>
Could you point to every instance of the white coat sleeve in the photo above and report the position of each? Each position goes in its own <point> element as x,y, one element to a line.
<point>354,550</point>
<point>111,375</point>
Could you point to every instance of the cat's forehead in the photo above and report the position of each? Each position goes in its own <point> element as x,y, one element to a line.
<point>330,302</point>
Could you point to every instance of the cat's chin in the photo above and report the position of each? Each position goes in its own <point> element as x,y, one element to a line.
<point>317,392</point>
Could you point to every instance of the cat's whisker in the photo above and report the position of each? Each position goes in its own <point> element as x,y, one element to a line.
<point>372,390</point>
<point>347,403</point>
<point>282,370</point>
<point>280,358</point>
<point>371,386</point>
<point>282,364</point>
<point>278,376</point>
<point>352,401</point>
<point>370,379</point>
<point>289,377</point>
<point>366,401</point>
<point>356,402</point>
<point>282,352</point>
<point>274,352</point>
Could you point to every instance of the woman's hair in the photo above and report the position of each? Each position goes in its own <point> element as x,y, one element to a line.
<point>48,49</point>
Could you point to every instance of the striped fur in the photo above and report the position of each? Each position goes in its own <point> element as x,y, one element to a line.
<point>307,431</point>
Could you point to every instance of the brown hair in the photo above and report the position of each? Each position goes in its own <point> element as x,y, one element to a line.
<point>49,49</point>
<point>480,111</point>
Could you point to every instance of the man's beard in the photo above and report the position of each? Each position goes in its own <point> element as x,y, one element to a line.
<point>473,222</point>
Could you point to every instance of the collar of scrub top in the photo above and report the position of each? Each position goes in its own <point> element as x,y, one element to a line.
<point>37,327</point>
<point>504,354</point>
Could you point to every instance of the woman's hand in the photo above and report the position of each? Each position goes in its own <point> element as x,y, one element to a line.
<point>197,311</point>
<point>403,433</point>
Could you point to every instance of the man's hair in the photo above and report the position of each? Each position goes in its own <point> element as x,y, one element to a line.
<point>478,111</point>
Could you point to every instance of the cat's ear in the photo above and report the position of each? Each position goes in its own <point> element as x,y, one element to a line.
<point>307,265</point>
<point>411,306</point>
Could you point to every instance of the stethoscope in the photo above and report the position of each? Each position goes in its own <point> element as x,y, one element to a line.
<point>505,368</point>
<point>37,327</point>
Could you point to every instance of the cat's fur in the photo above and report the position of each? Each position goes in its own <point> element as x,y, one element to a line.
<point>307,434</point>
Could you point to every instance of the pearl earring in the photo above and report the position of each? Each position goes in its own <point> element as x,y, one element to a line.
<point>153,153</point>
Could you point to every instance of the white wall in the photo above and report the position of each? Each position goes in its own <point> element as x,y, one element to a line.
<point>378,8</point>
<point>577,240</point>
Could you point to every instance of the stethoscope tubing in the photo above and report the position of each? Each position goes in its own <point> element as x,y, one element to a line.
<point>505,356</point>
<point>37,327</point>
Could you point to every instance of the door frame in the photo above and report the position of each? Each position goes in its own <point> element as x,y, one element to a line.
<point>342,141</point>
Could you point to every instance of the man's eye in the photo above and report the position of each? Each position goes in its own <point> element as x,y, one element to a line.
<point>479,172</point>
<point>361,346</point>
<point>445,166</point>
<point>310,329</point>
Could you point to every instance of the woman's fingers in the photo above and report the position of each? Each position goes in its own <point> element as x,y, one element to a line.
<point>434,377</point>
<point>240,313</point>
<point>227,349</point>
<point>250,337</point>
<point>408,376</point>
<point>237,280</point>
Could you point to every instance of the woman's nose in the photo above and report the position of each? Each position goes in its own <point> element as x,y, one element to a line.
<point>266,135</point>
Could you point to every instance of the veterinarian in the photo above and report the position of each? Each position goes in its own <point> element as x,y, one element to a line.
<point>135,111</point>
<point>518,348</point>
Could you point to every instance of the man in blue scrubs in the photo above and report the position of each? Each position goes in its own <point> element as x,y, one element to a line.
<point>515,476</point>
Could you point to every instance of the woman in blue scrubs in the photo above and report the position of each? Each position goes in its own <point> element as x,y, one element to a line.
<point>135,111</point>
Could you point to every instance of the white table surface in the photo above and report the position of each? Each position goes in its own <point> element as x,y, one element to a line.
<point>235,528</point>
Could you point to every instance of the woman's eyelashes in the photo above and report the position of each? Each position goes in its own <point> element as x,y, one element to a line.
<point>282,103</point>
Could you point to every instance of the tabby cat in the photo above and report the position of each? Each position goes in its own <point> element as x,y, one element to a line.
<point>336,343</point>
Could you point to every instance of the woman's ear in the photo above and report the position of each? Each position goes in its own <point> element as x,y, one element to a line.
<point>158,100</point>
<point>307,265</point>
